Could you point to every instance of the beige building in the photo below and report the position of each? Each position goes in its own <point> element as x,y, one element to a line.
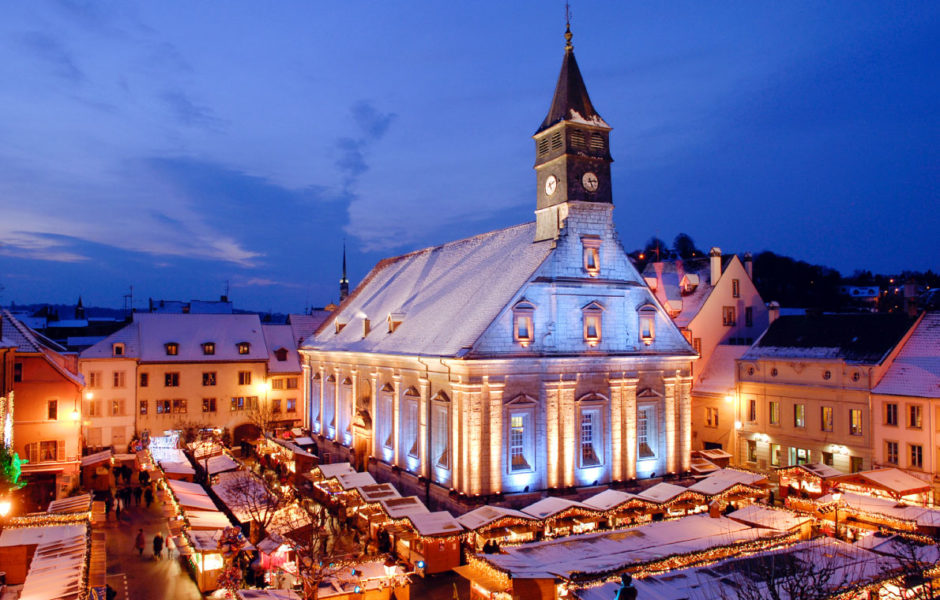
<point>525,359</point>
<point>906,404</point>
<point>804,390</point>
<point>715,304</point>
<point>168,371</point>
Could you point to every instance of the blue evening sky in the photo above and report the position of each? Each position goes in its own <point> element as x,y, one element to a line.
<point>182,146</point>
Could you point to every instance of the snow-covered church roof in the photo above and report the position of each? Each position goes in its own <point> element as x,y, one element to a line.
<point>442,298</point>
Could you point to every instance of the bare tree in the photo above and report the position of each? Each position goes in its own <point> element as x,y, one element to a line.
<point>915,561</point>
<point>251,500</point>
<point>315,538</point>
<point>260,413</point>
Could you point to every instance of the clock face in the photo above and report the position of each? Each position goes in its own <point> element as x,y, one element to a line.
<point>589,181</point>
<point>550,184</point>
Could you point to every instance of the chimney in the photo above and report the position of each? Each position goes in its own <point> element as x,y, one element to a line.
<point>749,265</point>
<point>715,255</point>
<point>773,311</point>
<point>366,326</point>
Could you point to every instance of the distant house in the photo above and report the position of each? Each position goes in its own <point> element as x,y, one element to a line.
<point>906,403</point>
<point>804,389</point>
<point>716,305</point>
<point>46,403</point>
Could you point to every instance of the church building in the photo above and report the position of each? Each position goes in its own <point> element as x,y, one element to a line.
<point>526,359</point>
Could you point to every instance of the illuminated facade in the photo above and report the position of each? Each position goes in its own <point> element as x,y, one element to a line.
<point>529,358</point>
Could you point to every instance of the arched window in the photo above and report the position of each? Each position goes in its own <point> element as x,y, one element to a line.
<point>590,249</point>
<point>523,326</point>
<point>591,317</point>
<point>440,431</point>
<point>519,419</point>
<point>386,410</point>
<point>647,323</point>
<point>409,422</point>
<point>590,414</point>
<point>329,406</point>
<point>315,390</point>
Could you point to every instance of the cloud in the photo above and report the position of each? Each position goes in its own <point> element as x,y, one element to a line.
<point>38,246</point>
<point>189,113</point>
<point>372,125</point>
<point>51,51</point>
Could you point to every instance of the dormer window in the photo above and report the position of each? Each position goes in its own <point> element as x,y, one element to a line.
<point>208,348</point>
<point>394,320</point>
<point>592,256</point>
<point>339,325</point>
<point>281,354</point>
<point>688,283</point>
<point>647,324</point>
<point>172,348</point>
<point>591,316</point>
<point>243,347</point>
<point>117,349</point>
<point>523,330</point>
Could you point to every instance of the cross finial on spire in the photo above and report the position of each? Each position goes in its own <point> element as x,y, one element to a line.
<point>568,35</point>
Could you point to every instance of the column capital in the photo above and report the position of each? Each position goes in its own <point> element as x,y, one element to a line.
<point>624,381</point>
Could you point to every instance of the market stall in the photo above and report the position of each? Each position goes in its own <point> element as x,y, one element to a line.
<point>807,481</point>
<point>561,517</point>
<point>96,471</point>
<point>886,483</point>
<point>498,525</point>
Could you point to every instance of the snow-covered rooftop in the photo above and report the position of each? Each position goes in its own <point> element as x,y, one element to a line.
<point>435,523</point>
<point>57,570</point>
<point>724,479</point>
<point>758,515</point>
<point>546,507</point>
<point>916,369</point>
<point>352,480</point>
<point>608,499</point>
<point>333,469</point>
<point>661,492</point>
<point>893,480</point>
<point>447,294</point>
<point>281,338</point>
<point>398,508</point>
<point>613,550</point>
<point>718,375</point>
<point>483,516</point>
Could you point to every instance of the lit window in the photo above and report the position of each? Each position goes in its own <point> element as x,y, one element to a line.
<point>208,405</point>
<point>386,410</point>
<point>799,415</point>
<point>47,451</point>
<point>915,418</point>
<point>728,316</point>
<point>179,405</point>
<point>522,323</point>
<point>208,378</point>
<point>589,451</point>
<point>291,405</point>
<point>855,421</point>
<point>208,348</point>
<point>441,426</point>
<point>275,405</point>
<point>410,425</point>
<point>143,407</point>
<point>647,317</point>
<point>172,348</point>
<point>826,418</point>
<point>751,451</point>
<point>799,456</point>
<point>117,408</point>
<point>517,459</point>
<point>646,432</point>
<point>277,383</point>
<point>244,378</point>
<point>591,252</point>
<point>591,315</point>
<point>917,456</point>
<point>752,410</point>
<point>171,380</point>
<point>244,347</point>
<point>163,407</point>
<point>711,416</point>
<point>775,453</point>
<point>774,412</point>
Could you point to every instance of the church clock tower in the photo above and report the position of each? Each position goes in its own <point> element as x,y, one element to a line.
<point>572,151</point>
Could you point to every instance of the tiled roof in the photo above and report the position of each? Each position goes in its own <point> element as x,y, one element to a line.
<point>446,296</point>
<point>916,369</point>
<point>860,338</point>
<point>281,336</point>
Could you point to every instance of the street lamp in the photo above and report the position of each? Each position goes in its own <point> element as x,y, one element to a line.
<point>837,496</point>
<point>5,507</point>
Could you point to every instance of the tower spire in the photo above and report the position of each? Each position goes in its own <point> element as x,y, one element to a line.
<point>568,35</point>
<point>343,283</point>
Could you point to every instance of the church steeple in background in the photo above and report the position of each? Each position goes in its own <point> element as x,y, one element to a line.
<point>572,150</point>
<point>343,283</point>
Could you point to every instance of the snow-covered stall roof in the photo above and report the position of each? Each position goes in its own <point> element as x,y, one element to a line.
<point>352,480</point>
<point>757,515</point>
<point>96,458</point>
<point>267,595</point>
<point>221,464</point>
<point>661,492</point>
<point>547,507</point>
<point>241,492</point>
<point>191,495</point>
<point>608,499</point>
<point>483,516</point>
<point>399,508</point>
<point>331,470</point>
<point>916,369</point>
<point>448,295</point>
<point>725,579</point>
<point>57,569</point>
<point>892,480</point>
<point>368,576</point>
<point>207,540</point>
<point>279,337</point>
<point>614,550</point>
<point>207,519</point>
<point>435,523</point>
<point>378,491</point>
<point>723,479</point>
<point>75,504</point>
<point>823,471</point>
<point>177,468</point>
<point>922,516</point>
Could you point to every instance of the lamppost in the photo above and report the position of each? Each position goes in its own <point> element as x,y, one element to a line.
<point>837,496</point>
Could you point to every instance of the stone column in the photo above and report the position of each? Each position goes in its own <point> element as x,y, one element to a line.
<point>685,424</point>
<point>423,425</point>
<point>337,393</point>
<point>472,448</point>
<point>353,403</point>
<point>669,415</point>
<point>374,413</point>
<point>320,396</point>
<point>306,394</point>
<point>396,419</point>
<point>623,427</point>
<point>550,397</point>
<point>456,466</point>
<point>497,441</point>
<point>570,430</point>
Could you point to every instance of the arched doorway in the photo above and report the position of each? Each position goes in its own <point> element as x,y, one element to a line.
<point>245,431</point>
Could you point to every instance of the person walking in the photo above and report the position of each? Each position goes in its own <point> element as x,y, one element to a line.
<point>117,507</point>
<point>157,546</point>
<point>148,496</point>
<point>139,542</point>
<point>138,492</point>
<point>170,547</point>
<point>108,505</point>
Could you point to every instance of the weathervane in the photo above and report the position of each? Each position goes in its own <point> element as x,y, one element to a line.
<point>568,36</point>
